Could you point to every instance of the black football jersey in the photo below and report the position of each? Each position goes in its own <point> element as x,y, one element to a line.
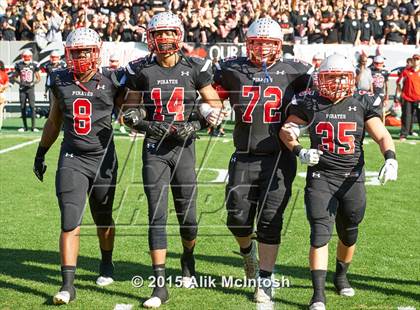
<point>259,99</point>
<point>337,129</point>
<point>86,110</point>
<point>379,79</point>
<point>26,73</point>
<point>169,94</point>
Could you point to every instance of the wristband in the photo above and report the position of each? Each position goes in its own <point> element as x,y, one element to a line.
<point>389,154</point>
<point>296,149</point>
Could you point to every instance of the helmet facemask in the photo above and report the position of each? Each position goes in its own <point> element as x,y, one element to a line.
<point>263,50</point>
<point>336,85</point>
<point>81,59</point>
<point>159,43</point>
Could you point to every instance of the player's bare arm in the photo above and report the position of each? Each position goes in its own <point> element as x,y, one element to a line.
<point>378,132</point>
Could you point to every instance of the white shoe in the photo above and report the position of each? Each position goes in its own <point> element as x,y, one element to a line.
<point>21,129</point>
<point>188,282</point>
<point>36,130</point>
<point>347,292</point>
<point>152,302</point>
<point>104,281</point>
<point>317,306</point>
<point>61,298</point>
<point>264,291</point>
<point>122,129</point>
<point>415,134</point>
<point>251,262</point>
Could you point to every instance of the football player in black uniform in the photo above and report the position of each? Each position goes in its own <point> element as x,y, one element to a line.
<point>82,102</point>
<point>54,63</point>
<point>337,119</point>
<point>27,75</point>
<point>261,169</point>
<point>169,82</point>
<point>380,78</point>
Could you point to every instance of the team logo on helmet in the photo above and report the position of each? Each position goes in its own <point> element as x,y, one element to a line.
<point>336,77</point>
<point>82,50</point>
<point>264,41</point>
<point>163,44</point>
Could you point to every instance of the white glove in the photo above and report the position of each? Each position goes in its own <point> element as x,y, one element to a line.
<point>292,130</point>
<point>309,157</point>
<point>389,171</point>
<point>212,115</point>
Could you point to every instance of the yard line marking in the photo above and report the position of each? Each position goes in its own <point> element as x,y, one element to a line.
<point>123,307</point>
<point>20,145</point>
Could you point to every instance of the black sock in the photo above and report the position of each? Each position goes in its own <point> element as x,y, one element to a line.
<point>160,289</point>
<point>106,256</point>
<point>246,250</point>
<point>340,276</point>
<point>265,273</point>
<point>188,262</point>
<point>318,284</point>
<point>67,274</point>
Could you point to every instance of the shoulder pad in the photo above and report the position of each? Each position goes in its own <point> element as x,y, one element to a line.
<point>202,64</point>
<point>136,65</point>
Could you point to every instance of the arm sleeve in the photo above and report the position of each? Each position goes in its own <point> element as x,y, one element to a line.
<point>301,109</point>
<point>132,80</point>
<point>204,75</point>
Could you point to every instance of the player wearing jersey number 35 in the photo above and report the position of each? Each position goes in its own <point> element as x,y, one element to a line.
<point>82,103</point>
<point>169,82</point>
<point>261,169</point>
<point>337,118</point>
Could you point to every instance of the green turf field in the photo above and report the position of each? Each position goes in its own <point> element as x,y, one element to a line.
<point>385,271</point>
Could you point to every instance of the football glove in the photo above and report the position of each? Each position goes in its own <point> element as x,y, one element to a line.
<point>39,168</point>
<point>132,117</point>
<point>389,171</point>
<point>186,130</point>
<point>159,129</point>
<point>309,157</point>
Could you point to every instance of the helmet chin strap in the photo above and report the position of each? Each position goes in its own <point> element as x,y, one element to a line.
<point>267,77</point>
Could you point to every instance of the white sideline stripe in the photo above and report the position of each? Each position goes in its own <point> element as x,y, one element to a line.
<point>123,307</point>
<point>19,146</point>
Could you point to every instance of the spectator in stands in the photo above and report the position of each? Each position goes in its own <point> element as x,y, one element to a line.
<point>366,29</point>
<point>330,33</point>
<point>68,26</point>
<point>300,22</point>
<point>363,74</point>
<point>410,95</point>
<point>8,26</point>
<point>315,34</point>
<point>209,29</point>
<point>40,29</point>
<point>287,28</point>
<point>112,31</point>
<point>413,27</point>
<point>351,29</point>
<point>395,29</point>
<point>55,24</point>
<point>25,28</point>
<point>4,84</point>
<point>378,27</point>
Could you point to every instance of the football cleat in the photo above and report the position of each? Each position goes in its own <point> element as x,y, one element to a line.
<point>64,296</point>
<point>343,287</point>
<point>106,274</point>
<point>264,292</point>
<point>347,292</point>
<point>251,262</point>
<point>159,296</point>
<point>317,306</point>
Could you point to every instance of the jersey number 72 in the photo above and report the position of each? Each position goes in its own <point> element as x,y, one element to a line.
<point>272,112</point>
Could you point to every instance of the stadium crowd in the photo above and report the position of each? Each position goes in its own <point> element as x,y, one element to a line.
<point>210,21</point>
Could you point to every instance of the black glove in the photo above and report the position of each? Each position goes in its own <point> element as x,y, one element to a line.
<point>39,163</point>
<point>186,130</point>
<point>159,129</point>
<point>132,117</point>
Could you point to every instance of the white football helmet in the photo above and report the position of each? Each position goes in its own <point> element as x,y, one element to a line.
<point>263,41</point>
<point>55,57</point>
<point>26,56</point>
<point>165,21</point>
<point>336,77</point>
<point>87,40</point>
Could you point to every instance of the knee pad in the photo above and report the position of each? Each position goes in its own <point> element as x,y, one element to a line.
<point>269,236</point>
<point>320,235</point>
<point>157,237</point>
<point>71,217</point>
<point>188,233</point>
<point>348,235</point>
<point>238,225</point>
